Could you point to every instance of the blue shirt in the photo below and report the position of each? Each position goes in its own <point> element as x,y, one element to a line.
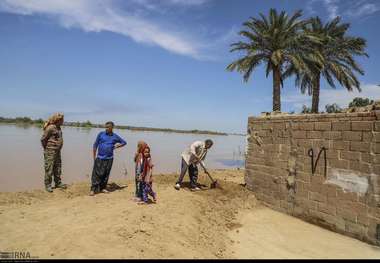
<point>105,144</point>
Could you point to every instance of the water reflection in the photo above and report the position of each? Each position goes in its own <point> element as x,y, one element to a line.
<point>231,162</point>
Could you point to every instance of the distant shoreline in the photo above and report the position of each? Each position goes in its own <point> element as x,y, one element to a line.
<point>88,124</point>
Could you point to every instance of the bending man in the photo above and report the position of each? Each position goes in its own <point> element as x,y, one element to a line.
<point>105,143</point>
<point>191,157</point>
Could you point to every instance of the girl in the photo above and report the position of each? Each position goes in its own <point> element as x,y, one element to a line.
<point>145,175</point>
<point>138,155</point>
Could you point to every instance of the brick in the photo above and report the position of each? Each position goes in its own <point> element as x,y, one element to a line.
<point>308,204</point>
<point>366,168</point>
<point>341,164</point>
<point>317,197</point>
<point>322,126</point>
<point>332,135</point>
<point>314,134</point>
<point>355,207</point>
<point>374,212</point>
<point>349,155</point>
<point>363,219</point>
<point>362,125</point>
<point>377,125</point>
<point>302,194</point>
<point>357,230</point>
<point>352,136</point>
<point>332,154</point>
<point>326,208</point>
<point>341,145</point>
<point>346,196</point>
<point>306,126</point>
<point>365,157</point>
<point>299,134</point>
<point>361,167</point>
<point>376,147</point>
<point>341,126</point>
<point>375,158</point>
<point>376,169</point>
<point>376,136</point>
<point>305,177</point>
<point>372,228</point>
<point>305,143</point>
<point>367,136</point>
<point>300,151</point>
<point>331,200</point>
<point>360,146</point>
<point>347,214</point>
<point>279,126</point>
<point>322,143</point>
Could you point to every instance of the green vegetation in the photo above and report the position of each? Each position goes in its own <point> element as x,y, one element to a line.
<point>360,102</point>
<point>277,41</point>
<point>306,49</point>
<point>333,108</point>
<point>305,109</point>
<point>338,63</point>
<point>88,124</point>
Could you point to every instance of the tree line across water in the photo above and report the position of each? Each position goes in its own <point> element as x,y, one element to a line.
<point>308,50</point>
<point>87,124</point>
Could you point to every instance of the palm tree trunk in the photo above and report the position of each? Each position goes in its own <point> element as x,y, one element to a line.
<point>276,89</point>
<point>315,98</point>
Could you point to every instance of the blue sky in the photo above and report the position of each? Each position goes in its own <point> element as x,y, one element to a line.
<point>154,63</point>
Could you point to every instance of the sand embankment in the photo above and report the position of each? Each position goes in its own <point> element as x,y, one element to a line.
<point>226,222</point>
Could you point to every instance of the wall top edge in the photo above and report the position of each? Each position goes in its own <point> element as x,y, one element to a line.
<point>285,116</point>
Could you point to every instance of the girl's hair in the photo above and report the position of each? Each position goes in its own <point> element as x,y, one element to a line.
<point>140,147</point>
<point>145,158</point>
<point>143,150</point>
<point>54,119</point>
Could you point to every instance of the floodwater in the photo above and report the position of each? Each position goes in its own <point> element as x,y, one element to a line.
<point>21,154</point>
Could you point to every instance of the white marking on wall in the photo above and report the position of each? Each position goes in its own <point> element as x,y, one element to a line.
<point>348,180</point>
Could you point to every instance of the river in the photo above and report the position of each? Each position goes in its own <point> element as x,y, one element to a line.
<point>21,154</point>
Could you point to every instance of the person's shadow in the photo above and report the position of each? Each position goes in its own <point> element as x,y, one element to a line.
<point>188,186</point>
<point>112,187</point>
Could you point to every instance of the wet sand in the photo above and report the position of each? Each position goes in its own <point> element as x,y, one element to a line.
<point>226,222</point>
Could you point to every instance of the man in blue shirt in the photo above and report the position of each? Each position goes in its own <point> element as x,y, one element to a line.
<point>105,143</point>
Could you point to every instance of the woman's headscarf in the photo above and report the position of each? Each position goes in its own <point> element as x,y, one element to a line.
<point>54,119</point>
<point>140,147</point>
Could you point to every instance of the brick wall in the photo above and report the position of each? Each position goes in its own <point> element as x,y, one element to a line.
<point>344,197</point>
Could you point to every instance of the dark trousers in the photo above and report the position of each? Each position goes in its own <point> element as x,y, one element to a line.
<point>139,186</point>
<point>100,174</point>
<point>193,173</point>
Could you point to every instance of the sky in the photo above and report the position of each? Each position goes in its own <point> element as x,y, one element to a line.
<point>156,63</point>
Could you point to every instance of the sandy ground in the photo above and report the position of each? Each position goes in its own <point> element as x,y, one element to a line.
<point>226,222</point>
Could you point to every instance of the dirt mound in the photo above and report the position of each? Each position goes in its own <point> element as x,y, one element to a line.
<point>70,224</point>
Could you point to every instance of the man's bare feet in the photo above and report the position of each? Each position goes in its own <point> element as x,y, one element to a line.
<point>92,193</point>
<point>105,191</point>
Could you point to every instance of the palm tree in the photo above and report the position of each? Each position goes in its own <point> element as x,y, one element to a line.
<point>275,40</point>
<point>337,50</point>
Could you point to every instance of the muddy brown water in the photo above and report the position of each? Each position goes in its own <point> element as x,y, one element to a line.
<point>21,155</point>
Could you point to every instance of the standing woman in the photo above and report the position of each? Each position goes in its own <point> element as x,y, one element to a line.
<point>52,143</point>
<point>138,156</point>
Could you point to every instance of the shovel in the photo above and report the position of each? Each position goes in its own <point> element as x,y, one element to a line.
<point>214,183</point>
